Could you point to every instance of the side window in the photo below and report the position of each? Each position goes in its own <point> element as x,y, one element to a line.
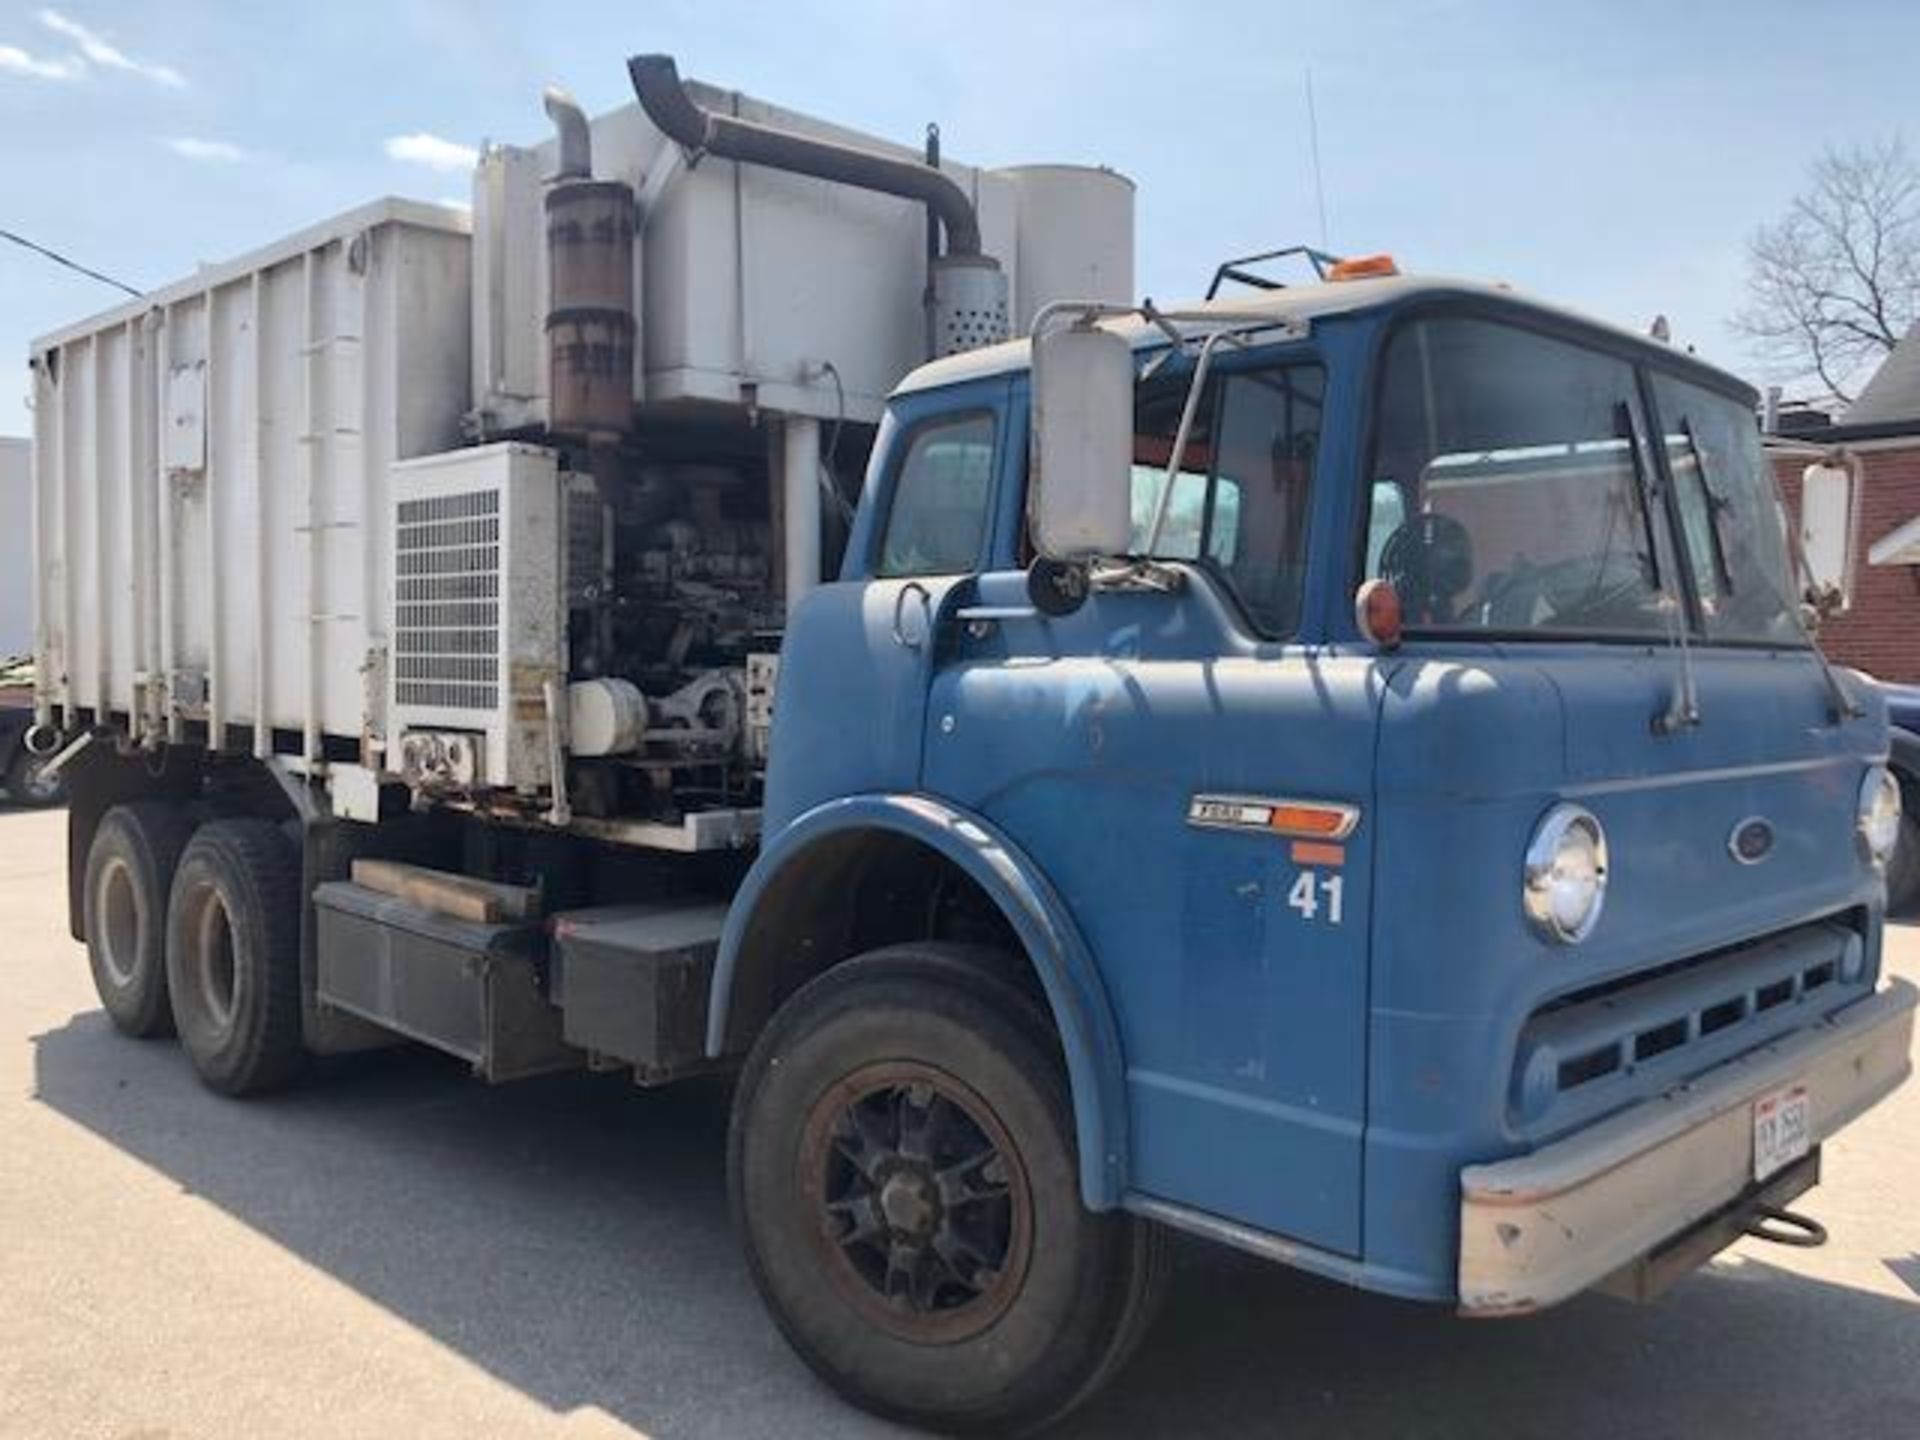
<point>939,512</point>
<point>1239,501</point>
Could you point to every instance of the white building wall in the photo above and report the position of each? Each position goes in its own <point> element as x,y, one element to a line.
<point>16,549</point>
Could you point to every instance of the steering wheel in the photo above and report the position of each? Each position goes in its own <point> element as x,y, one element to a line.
<point>1429,561</point>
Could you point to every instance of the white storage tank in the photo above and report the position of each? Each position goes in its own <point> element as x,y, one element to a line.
<point>1075,237</point>
<point>211,489</point>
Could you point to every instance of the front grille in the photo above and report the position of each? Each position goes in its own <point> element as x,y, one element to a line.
<point>446,639</point>
<point>1595,1050</point>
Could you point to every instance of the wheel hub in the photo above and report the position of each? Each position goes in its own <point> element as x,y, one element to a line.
<point>910,1203</point>
<point>925,1219</point>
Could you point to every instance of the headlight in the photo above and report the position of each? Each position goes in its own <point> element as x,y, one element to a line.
<point>1566,874</point>
<point>1879,814</point>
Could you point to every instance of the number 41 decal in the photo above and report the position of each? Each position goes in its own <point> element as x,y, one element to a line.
<point>1310,889</point>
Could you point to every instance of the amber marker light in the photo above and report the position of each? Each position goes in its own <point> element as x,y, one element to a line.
<point>1362,267</point>
<point>1376,611</point>
<point>1306,820</point>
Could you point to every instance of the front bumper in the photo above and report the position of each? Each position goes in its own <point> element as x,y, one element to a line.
<point>1539,1228</point>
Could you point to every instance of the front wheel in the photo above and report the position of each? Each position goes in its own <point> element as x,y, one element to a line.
<point>902,1164</point>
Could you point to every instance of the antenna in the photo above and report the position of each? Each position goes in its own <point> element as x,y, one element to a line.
<point>1313,135</point>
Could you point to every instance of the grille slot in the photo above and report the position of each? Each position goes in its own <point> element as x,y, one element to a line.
<point>1716,1018</point>
<point>1660,1039</point>
<point>446,564</point>
<point>1588,1067</point>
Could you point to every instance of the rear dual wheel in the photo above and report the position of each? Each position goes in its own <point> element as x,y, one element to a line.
<point>903,1168</point>
<point>233,956</point>
<point>129,875</point>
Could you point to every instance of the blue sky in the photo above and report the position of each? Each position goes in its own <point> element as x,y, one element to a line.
<point>1613,156</point>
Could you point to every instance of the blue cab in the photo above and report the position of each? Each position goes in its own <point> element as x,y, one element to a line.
<point>1448,865</point>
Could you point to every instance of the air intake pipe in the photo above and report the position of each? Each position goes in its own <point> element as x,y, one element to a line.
<point>970,290</point>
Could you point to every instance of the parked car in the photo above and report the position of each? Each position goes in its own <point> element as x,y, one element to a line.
<point>20,779</point>
<point>1903,871</point>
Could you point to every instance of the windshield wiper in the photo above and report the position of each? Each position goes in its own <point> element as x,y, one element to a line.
<point>1683,708</point>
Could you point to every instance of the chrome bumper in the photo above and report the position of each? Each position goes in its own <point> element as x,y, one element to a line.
<point>1540,1228</point>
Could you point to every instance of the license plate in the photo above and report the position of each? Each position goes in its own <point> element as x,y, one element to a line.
<point>1782,1130</point>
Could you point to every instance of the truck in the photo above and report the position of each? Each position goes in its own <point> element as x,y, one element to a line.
<point>1337,769</point>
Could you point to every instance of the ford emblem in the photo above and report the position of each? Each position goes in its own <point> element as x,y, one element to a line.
<point>1751,841</point>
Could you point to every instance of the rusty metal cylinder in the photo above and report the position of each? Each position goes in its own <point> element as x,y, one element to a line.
<point>591,330</point>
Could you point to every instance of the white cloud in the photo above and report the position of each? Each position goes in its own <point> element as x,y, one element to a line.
<point>108,57</point>
<point>219,152</point>
<point>15,61</point>
<point>432,151</point>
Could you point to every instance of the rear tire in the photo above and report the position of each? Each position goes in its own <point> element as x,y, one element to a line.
<point>903,1169</point>
<point>125,888</point>
<point>233,956</point>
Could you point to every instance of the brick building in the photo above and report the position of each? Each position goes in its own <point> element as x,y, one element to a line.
<point>1878,444</point>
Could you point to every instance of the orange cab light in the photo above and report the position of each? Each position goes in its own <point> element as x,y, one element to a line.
<point>1309,821</point>
<point>1376,611</point>
<point>1362,267</point>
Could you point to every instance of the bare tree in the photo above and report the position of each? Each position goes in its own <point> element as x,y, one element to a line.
<point>1835,284</point>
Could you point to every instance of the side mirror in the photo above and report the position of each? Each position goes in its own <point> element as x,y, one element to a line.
<point>1079,485</point>
<point>1829,526</point>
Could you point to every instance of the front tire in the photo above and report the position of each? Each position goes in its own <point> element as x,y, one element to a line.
<point>903,1167</point>
<point>233,956</point>
<point>129,875</point>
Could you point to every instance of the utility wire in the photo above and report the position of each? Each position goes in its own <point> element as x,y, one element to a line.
<point>59,259</point>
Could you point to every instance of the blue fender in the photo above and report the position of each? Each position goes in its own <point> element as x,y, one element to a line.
<point>1096,1069</point>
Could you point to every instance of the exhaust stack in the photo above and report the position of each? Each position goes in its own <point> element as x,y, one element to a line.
<point>590,327</point>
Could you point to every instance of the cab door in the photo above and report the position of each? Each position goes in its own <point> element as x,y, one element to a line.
<point>1128,749</point>
<point>852,697</point>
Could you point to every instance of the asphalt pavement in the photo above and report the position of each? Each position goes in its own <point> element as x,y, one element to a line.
<point>395,1249</point>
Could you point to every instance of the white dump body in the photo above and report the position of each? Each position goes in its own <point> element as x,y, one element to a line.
<point>16,549</point>
<point>211,480</point>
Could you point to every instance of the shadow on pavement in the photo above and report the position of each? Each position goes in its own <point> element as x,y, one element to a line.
<point>570,1236</point>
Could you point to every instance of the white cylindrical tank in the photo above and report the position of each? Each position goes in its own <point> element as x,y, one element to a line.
<point>1074,237</point>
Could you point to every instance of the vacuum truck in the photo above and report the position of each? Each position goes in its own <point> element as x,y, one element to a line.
<point>1337,769</point>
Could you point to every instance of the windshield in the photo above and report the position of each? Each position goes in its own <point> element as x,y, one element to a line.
<point>1730,515</point>
<point>1509,491</point>
<point>1239,501</point>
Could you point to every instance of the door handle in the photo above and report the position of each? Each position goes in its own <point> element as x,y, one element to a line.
<point>900,635</point>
